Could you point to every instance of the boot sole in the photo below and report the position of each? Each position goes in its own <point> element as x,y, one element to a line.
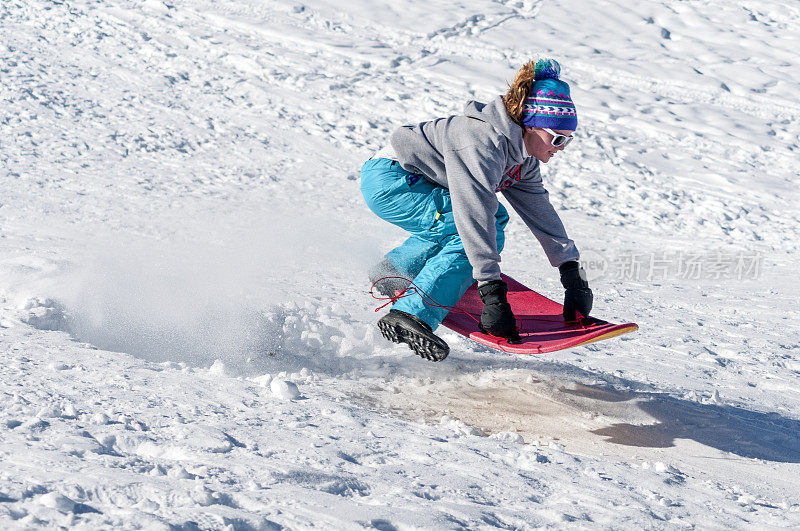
<point>425,348</point>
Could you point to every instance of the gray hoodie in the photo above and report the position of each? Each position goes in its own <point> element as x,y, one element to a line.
<point>476,155</point>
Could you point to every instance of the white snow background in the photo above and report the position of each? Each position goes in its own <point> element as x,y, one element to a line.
<point>187,339</point>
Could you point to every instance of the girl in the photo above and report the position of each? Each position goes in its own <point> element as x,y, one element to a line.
<point>438,180</point>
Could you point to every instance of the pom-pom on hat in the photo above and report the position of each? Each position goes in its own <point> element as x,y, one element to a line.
<point>548,103</point>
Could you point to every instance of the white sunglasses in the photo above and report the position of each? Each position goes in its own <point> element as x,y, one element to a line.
<point>558,140</point>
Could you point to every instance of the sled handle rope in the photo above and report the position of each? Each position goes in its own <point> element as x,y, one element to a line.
<point>411,290</point>
<point>414,289</point>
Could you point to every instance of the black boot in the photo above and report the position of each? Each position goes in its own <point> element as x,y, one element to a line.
<point>388,286</point>
<point>402,327</point>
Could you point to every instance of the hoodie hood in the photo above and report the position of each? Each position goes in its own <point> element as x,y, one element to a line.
<point>494,113</point>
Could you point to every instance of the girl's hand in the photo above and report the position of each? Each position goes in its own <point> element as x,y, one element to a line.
<point>578,296</point>
<point>497,318</point>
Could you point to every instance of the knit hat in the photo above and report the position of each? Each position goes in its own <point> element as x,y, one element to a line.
<point>548,103</point>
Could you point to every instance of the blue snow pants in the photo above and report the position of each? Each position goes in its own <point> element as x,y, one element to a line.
<point>433,256</point>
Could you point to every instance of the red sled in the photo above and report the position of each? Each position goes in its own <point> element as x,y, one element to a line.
<point>543,326</point>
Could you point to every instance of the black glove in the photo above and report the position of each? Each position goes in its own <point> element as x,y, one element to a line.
<point>497,318</point>
<point>577,296</point>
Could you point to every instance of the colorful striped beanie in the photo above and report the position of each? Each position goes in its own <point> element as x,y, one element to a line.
<point>548,103</point>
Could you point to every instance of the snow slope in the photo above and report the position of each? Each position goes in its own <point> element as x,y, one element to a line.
<point>187,337</point>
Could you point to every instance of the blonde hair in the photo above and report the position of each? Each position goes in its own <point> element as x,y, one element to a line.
<point>518,90</point>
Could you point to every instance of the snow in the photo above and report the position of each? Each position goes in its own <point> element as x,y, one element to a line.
<point>284,389</point>
<point>186,332</point>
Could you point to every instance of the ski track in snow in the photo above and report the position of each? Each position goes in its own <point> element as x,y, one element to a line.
<point>182,241</point>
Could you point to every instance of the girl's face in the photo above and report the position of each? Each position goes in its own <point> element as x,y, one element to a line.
<point>538,143</point>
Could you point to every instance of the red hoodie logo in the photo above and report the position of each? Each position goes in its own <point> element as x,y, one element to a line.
<point>511,177</point>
